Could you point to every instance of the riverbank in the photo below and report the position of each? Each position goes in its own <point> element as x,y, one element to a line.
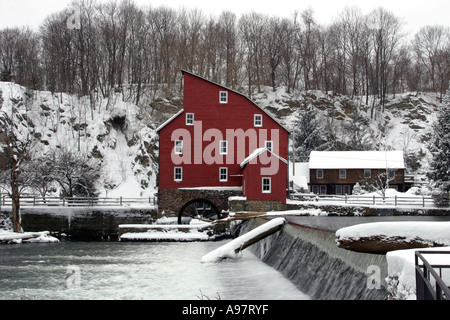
<point>80,223</point>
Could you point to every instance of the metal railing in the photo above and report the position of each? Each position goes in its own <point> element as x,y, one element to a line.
<point>38,201</point>
<point>429,284</point>
<point>396,201</point>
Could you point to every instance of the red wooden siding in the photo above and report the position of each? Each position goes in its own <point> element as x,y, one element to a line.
<point>252,187</point>
<point>201,97</point>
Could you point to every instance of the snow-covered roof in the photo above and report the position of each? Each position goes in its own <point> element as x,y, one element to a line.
<point>356,160</point>
<point>241,94</point>
<point>169,120</point>
<point>257,153</point>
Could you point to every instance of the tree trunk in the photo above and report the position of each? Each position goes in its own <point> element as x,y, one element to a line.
<point>17,226</point>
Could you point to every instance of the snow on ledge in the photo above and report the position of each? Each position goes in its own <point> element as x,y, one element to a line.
<point>27,237</point>
<point>229,250</point>
<point>429,231</point>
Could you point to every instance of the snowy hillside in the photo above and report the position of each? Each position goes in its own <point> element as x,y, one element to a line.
<point>115,134</point>
<point>405,124</point>
<point>121,136</point>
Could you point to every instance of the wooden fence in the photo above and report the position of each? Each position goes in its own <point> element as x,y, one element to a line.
<point>37,201</point>
<point>372,200</point>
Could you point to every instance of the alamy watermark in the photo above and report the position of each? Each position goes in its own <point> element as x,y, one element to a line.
<point>74,21</point>
<point>224,149</point>
<point>73,277</point>
<point>373,277</point>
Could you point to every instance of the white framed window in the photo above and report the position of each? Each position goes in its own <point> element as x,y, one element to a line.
<point>223,96</point>
<point>266,185</point>
<point>223,147</point>
<point>189,119</point>
<point>323,189</point>
<point>346,189</point>
<point>223,174</point>
<point>315,189</point>
<point>178,146</point>
<point>268,145</point>
<point>338,189</point>
<point>319,174</point>
<point>342,173</point>
<point>367,173</point>
<point>178,174</point>
<point>257,121</point>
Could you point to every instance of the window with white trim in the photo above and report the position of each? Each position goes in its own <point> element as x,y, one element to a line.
<point>342,173</point>
<point>257,121</point>
<point>367,173</point>
<point>268,145</point>
<point>223,96</point>
<point>178,174</point>
<point>223,147</point>
<point>347,189</point>
<point>223,174</point>
<point>315,189</point>
<point>338,189</point>
<point>189,119</point>
<point>319,174</point>
<point>266,185</point>
<point>178,146</point>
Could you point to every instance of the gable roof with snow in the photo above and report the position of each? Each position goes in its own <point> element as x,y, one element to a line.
<point>356,160</point>
<point>256,153</point>
<point>165,123</point>
<point>239,93</point>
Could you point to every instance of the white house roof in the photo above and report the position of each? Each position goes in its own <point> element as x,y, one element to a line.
<point>356,160</point>
<point>257,153</point>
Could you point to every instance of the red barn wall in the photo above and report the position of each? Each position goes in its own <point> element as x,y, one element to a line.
<point>253,182</point>
<point>201,97</point>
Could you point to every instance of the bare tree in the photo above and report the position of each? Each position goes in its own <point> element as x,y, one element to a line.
<point>432,45</point>
<point>72,171</point>
<point>16,138</point>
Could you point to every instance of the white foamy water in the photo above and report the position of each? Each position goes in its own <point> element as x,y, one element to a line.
<point>150,271</point>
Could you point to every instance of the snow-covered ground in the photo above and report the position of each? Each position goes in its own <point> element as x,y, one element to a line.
<point>126,151</point>
<point>401,271</point>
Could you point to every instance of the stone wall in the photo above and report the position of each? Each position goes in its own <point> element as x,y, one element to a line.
<point>237,205</point>
<point>170,201</point>
<point>90,223</point>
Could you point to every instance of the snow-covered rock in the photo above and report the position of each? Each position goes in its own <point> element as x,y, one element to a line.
<point>381,237</point>
<point>26,237</point>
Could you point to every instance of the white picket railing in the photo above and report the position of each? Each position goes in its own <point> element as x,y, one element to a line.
<point>396,201</point>
<point>38,201</point>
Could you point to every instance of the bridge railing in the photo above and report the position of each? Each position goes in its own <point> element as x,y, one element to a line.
<point>38,201</point>
<point>429,284</point>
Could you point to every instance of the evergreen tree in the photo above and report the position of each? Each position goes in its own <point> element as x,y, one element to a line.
<point>307,131</point>
<point>439,147</point>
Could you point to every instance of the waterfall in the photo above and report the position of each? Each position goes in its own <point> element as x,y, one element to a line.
<point>311,260</point>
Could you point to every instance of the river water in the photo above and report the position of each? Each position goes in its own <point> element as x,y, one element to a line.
<point>125,270</point>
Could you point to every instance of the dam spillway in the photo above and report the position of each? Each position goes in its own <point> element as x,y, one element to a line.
<point>310,259</point>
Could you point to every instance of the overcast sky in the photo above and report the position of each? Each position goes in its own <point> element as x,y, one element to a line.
<point>415,13</point>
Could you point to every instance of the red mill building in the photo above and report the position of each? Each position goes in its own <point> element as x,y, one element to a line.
<point>220,144</point>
